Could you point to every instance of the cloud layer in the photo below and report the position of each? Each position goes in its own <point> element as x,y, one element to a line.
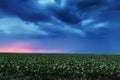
<point>59,18</point>
<point>92,22</point>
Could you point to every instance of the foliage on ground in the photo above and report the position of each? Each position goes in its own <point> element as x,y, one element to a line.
<point>59,67</point>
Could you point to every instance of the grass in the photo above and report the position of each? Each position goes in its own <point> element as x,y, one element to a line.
<point>59,67</point>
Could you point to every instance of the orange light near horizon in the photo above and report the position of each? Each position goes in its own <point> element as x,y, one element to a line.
<point>15,47</point>
<point>24,48</point>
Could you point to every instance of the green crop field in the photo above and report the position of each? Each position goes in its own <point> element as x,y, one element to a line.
<point>59,67</point>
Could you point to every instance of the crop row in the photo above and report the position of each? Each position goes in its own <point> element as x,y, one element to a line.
<point>59,67</point>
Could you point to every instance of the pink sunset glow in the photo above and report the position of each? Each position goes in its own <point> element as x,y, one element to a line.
<point>24,48</point>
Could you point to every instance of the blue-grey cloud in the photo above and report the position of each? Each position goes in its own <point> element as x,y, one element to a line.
<point>70,25</point>
<point>61,18</point>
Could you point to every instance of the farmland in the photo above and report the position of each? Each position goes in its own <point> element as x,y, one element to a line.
<point>59,67</point>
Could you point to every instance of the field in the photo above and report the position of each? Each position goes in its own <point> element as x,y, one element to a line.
<point>59,67</point>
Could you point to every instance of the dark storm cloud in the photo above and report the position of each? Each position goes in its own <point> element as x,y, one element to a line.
<point>25,9</point>
<point>29,10</point>
<point>70,25</point>
<point>65,17</point>
<point>70,13</point>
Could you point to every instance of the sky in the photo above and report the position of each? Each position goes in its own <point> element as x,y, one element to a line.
<point>60,26</point>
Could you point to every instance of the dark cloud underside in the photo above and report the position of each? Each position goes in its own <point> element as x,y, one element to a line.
<point>62,13</point>
<point>90,20</point>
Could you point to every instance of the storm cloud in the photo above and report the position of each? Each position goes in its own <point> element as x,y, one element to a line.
<point>87,23</point>
<point>64,17</point>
